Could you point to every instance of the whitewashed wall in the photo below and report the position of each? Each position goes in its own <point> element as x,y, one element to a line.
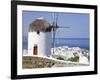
<point>43,41</point>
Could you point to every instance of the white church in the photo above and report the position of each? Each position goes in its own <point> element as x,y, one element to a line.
<point>39,38</point>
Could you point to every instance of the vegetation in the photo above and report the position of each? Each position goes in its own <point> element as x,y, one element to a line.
<point>74,59</point>
<point>60,58</point>
<point>29,62</point>
<point>36,62</point>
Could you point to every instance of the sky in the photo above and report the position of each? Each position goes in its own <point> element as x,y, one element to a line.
<point>78,23</point>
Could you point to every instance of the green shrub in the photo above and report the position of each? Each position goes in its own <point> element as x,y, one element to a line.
<point>74,59</point>
<point>60,58</point>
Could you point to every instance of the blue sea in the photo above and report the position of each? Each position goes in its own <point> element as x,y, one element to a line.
<point>71,42</point>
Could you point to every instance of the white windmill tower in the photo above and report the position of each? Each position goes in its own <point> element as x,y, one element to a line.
<point>39,38</point>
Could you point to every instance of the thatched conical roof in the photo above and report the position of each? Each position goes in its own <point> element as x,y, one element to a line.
<point>40,24</point>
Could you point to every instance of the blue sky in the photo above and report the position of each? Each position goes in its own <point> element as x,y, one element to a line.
<point>78,23</point>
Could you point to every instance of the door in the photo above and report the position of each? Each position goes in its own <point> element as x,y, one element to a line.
<point>35,50</point>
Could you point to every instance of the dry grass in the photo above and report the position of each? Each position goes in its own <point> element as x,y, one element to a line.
<point>30,62</point>
<point>36,62</point>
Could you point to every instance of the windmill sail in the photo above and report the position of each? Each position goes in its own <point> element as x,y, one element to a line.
<point>55,26</point>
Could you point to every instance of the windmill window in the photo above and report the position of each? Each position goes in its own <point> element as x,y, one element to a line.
<point>38,32</point>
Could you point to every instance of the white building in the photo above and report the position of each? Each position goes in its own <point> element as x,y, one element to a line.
<point>70,52</point>
<point>39,38</point>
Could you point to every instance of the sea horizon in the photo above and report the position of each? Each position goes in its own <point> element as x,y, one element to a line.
<point>70,42</point>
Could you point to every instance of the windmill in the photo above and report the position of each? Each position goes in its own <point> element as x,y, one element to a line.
<point>55,26</point>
